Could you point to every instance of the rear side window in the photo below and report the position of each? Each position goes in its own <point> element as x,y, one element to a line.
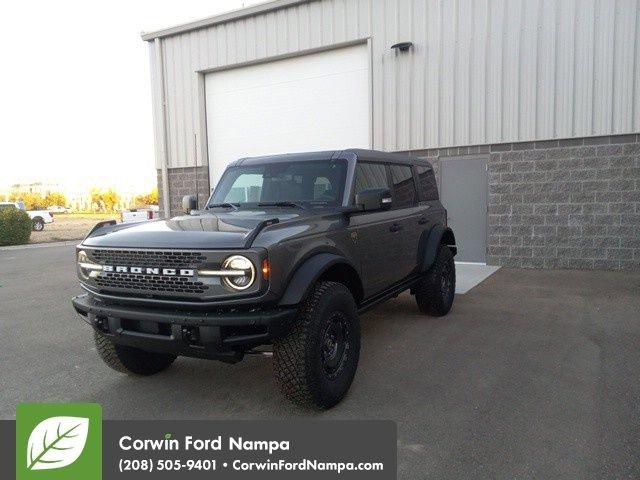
<point>370,176</point>
<point>427,184</point>
<point>404,188</point>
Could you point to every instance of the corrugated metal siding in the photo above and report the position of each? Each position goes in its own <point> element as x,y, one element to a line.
<point>480,72</point>
<point>156,109</point>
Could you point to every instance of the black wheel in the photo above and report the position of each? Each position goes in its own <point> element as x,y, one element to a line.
<point>435,291</point>
<point>130,360</point>
<point>38,224</point>
<point>316,362</point>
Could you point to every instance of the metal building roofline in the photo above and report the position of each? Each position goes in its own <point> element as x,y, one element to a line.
<point>223,18</point>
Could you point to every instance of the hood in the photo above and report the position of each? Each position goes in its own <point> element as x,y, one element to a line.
<point>236,229</point>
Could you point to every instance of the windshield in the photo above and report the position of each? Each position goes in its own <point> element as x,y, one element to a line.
<point>308,183</point>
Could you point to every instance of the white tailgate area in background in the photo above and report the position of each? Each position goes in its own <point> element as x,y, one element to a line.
<point>312,102</point>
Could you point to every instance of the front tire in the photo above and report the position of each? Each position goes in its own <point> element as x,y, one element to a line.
<point>38,224</point>
<point>130,360</point>
<point>435,291</point>
<point>316,362</point>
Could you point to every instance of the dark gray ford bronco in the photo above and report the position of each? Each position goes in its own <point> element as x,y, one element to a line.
<point>287,252</point>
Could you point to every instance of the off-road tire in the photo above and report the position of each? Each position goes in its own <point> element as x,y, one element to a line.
<point>38,224</point>
<point>301,359</point>
<point>130,360</point>
<point>435,291</point>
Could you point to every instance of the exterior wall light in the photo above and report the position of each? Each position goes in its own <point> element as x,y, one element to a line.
<point>402,46</point>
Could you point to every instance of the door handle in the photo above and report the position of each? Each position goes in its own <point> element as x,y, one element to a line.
<point>422,220</point>
<point>395,227</point>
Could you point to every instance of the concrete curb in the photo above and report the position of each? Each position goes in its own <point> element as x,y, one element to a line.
<point>29,246</point>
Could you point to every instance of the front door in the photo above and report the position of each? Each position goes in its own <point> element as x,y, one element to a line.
<point>373,234</point>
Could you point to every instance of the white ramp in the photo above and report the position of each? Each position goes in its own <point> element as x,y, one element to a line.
<point>468,275</point>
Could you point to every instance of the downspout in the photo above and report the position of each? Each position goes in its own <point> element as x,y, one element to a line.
<point>166,204</point>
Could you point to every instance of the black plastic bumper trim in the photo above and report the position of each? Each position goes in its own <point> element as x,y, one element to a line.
<point>108,319</point>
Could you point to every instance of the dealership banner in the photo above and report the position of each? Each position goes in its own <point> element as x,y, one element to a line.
<point>71,441</point>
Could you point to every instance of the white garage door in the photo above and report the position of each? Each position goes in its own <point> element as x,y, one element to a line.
<point>313,102</point>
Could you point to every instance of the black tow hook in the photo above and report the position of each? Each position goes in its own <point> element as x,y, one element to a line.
<point>191,335</point>
<point>102,324</point>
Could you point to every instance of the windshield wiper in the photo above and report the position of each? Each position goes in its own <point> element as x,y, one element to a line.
<point>223,205</point>
<point>282,204</point>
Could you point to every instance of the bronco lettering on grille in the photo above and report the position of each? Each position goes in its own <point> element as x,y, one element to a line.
<point>183,272</point>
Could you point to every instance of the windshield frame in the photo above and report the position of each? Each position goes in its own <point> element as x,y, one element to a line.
<point>340,196</point>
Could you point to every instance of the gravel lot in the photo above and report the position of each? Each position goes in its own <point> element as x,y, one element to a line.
<point>68,227</point>
<point>534,374</point>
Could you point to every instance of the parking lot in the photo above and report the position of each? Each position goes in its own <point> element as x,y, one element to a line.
<point>534,374</point>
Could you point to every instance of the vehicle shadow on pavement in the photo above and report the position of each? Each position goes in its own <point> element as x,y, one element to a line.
<point>194,388</point>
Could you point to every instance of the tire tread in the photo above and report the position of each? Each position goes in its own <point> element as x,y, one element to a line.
<point>427,291</point>
<point>292,365</point>
<point>129,360</point>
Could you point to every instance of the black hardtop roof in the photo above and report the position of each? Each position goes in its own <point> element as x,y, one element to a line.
<point>356,154</point>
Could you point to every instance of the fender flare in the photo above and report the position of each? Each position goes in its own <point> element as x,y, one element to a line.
<point>307,274</point>
<point>431,241</point>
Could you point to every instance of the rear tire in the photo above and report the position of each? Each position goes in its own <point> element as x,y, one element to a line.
<point>130,360</point>
<point>38,224</point>
<point>435,291</point>
<point>316,362</point>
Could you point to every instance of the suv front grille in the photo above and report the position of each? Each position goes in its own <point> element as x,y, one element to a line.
<point>149,283</point>
<point>147,258</point>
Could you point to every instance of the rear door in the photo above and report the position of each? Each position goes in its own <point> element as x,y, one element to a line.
<point>406,223</point>
<point>432,211</point>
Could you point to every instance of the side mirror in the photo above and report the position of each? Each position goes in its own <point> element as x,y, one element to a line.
<point>374,199</point>
<point>189,202</point>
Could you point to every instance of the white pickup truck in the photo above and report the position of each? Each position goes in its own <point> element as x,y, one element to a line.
<point>38,217</point>
<point>129,215</point>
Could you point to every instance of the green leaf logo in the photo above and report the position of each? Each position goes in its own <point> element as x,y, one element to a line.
<point>56,442</point>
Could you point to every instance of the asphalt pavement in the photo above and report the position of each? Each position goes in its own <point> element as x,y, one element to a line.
<point>533,374</point>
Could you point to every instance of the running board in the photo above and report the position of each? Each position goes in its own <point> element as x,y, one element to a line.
<point>387,294</point>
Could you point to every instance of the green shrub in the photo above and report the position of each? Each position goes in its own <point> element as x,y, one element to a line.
<point>15,227</point>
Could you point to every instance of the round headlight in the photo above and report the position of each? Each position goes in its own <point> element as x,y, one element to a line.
<point>245,272</point>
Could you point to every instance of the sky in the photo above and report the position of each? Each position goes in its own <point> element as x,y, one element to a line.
<point>75,90</point>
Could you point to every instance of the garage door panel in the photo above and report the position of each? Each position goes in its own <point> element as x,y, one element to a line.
<point>314,102</point>
<point>315,65</point>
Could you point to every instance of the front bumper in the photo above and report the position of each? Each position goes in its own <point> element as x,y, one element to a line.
<point>215,335</point>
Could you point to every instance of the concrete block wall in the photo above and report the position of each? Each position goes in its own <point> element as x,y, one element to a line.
<point>571,203</point>
<point>566,204</point>
<point>184,181</point>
